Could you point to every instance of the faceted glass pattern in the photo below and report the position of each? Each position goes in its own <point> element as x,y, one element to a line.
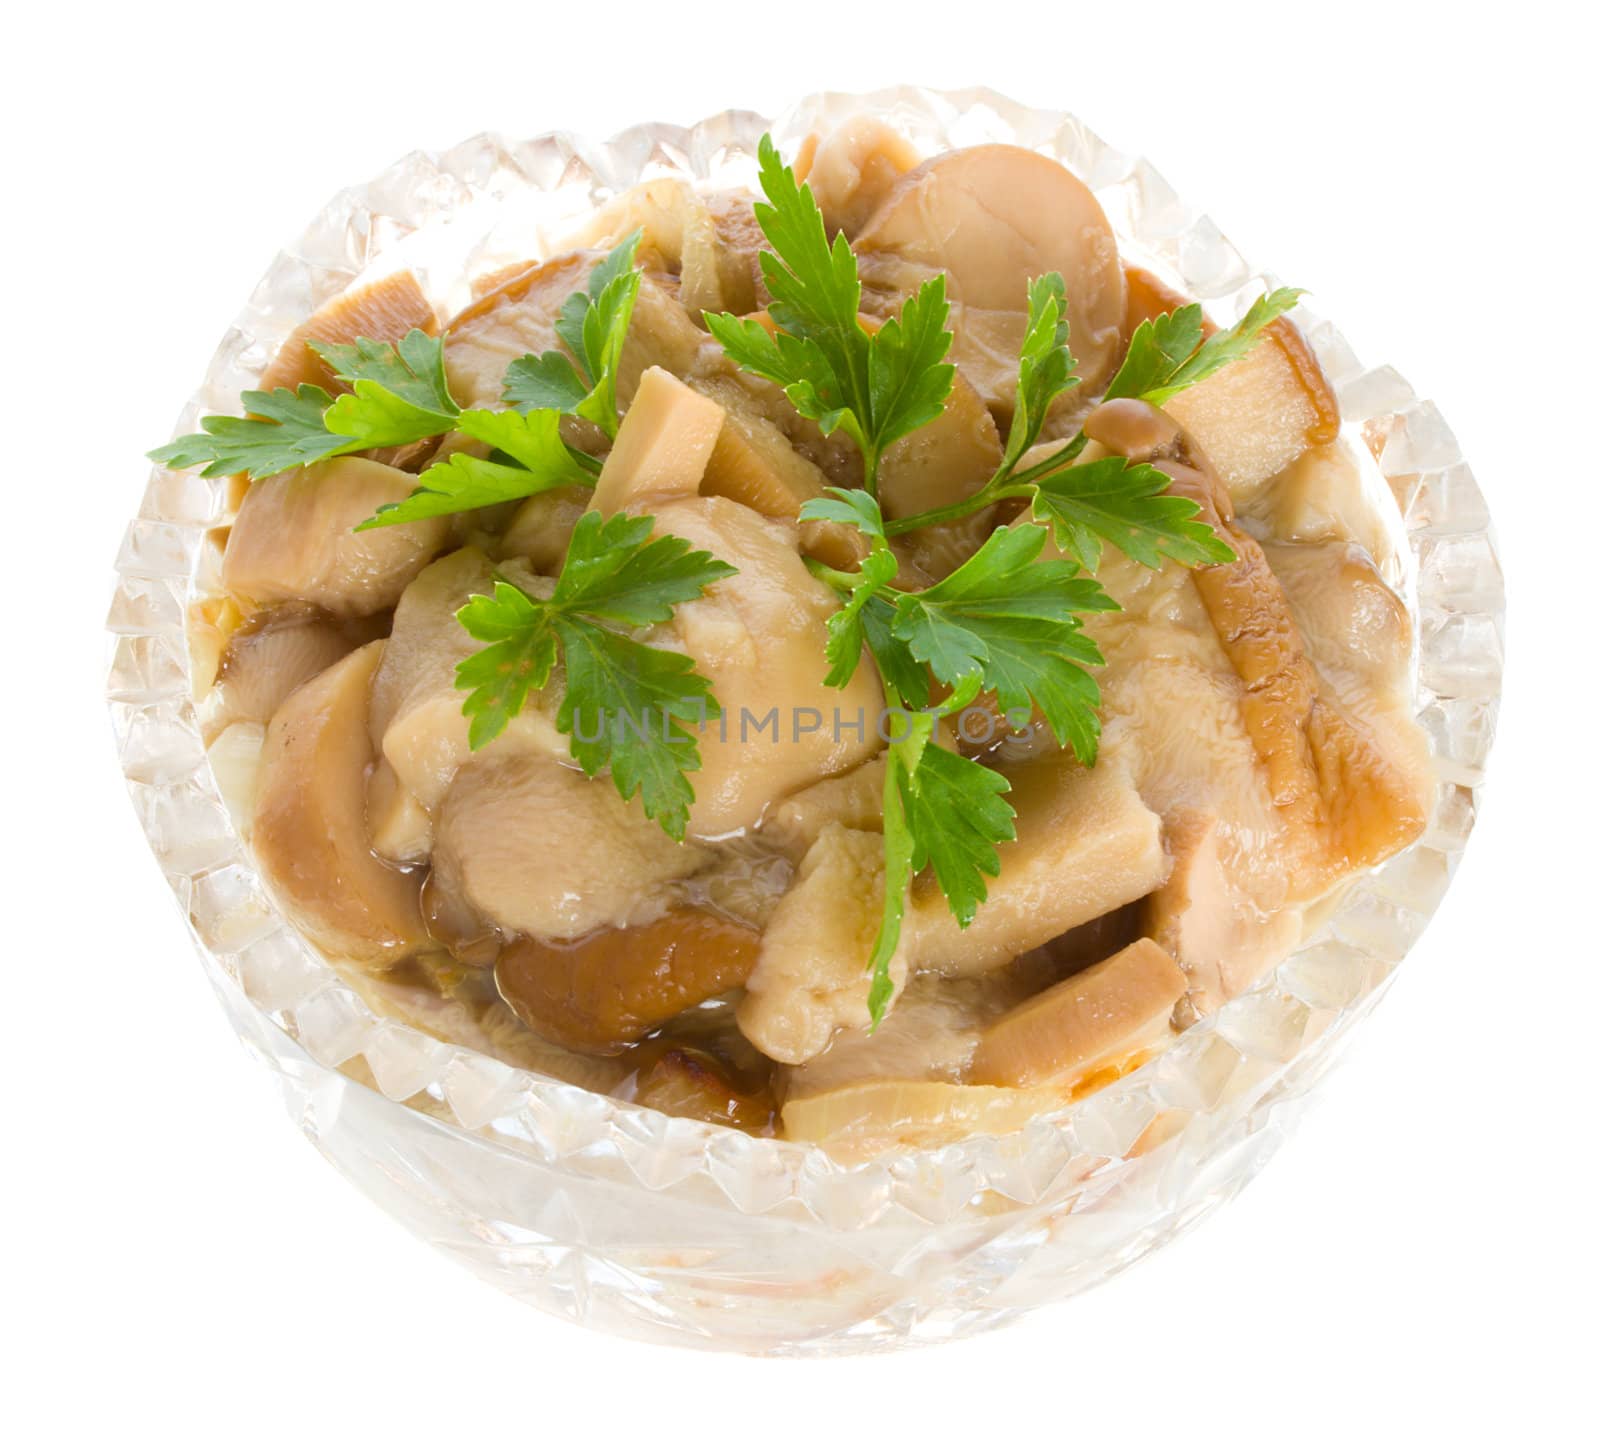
<point>668,1229</point>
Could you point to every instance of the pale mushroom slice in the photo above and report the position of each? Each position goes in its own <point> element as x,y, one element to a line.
<point>514,319</point>
<point>541,527</point>
<point>872,1116</point>
<point>295,538</point>
<point>754,464</point>
<point>759,638</point>
<point>1208,922</point>
<point>1086,844</point>
<point>854,799</point>
<point>612,988</point>
<point>417,722</point>
<point>1102,1018</point>
<point>267,656</point>
<point>992,217</point>
<point>1261,412</point>
<point>852,168</point>
<point>539,849</point>
<point>811,977</point>
<point>386,310</point>
<point>662,446</point>
<point>310,830</point>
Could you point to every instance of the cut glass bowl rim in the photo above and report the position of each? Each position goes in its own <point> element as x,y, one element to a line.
<point>489,195</point>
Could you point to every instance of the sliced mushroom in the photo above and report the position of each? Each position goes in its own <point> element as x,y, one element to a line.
<point>811,976</point>
<point>854,799</point>
<point>1115,1010</point>
<point>600,994</point>
<point>540,850</point>
<point>871,1116</point>
<point>542,526</point>
<point>1255,416</point>
<point>1207,922</point>
<point>268,656</point>
<point>852,168</point>
<point>516,318</point>
<point>662,445</point>
<point>1086,844</point>
<point>417,724</point>
<point>388,309</point>
<point>759,638</point>
<point>945,460</point>
<point>754,464</point>
<point>992,217</point>
<point>295,538</point>
<point>689,1082</point>
<point>310,830</point>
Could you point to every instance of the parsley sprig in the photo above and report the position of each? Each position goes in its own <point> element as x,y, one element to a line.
<point>876,387</point>
<point>1004,621</point>
<point>399,394</point>
<point>593,325</point>
<point>627,706</point>
<point>1110,500</point>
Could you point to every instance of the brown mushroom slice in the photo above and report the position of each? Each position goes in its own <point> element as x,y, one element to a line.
<point>607,990</point>
<point>1086,844</point>
<point>853,168</point>
<point>871,1116</point>
<point>811,977</point>
<point>1256,415</point>
<point>1328,776</point>
<point>295,538</point>
<point>759,638</point>
<point>539,849</point>
<point>662,445</point>
<point>1217,933</point>
<point>754,464</point>
<point>268,656</point>
<point>388,309</point>
<point>1115,1010</point>
<point>991,217</point>
<point>689,1082</point>
<point>310,829</point>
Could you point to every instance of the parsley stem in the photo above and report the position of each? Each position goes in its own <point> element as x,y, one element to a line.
<point>839,579</point>
<point>988,495</point>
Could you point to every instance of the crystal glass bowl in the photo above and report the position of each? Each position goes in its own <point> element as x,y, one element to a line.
<point>672,1230</point>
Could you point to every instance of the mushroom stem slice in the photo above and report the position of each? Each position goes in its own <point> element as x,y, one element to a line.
<point>389,309</point>
<point>1118,1007</point>
<point>310,829</point>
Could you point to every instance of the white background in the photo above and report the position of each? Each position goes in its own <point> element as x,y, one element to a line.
<point>1420,1258</point>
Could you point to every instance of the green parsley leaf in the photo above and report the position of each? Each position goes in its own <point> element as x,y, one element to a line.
<point>846,507</point>
<point>1113,500</point>
<point>1168,354</point>
<point>1011,620</point>
<point>372,415</point>
<point>518,655</point>
<point>956,815</point>
<point>593,325</point>
<point>627,707</point>
<point>877,388</point>
<point>1045,368</point>
<point>282,430</point>
<point>412,370</point>
<point>847,626</point>
<point>466,482</point>
<point>626,704</point>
